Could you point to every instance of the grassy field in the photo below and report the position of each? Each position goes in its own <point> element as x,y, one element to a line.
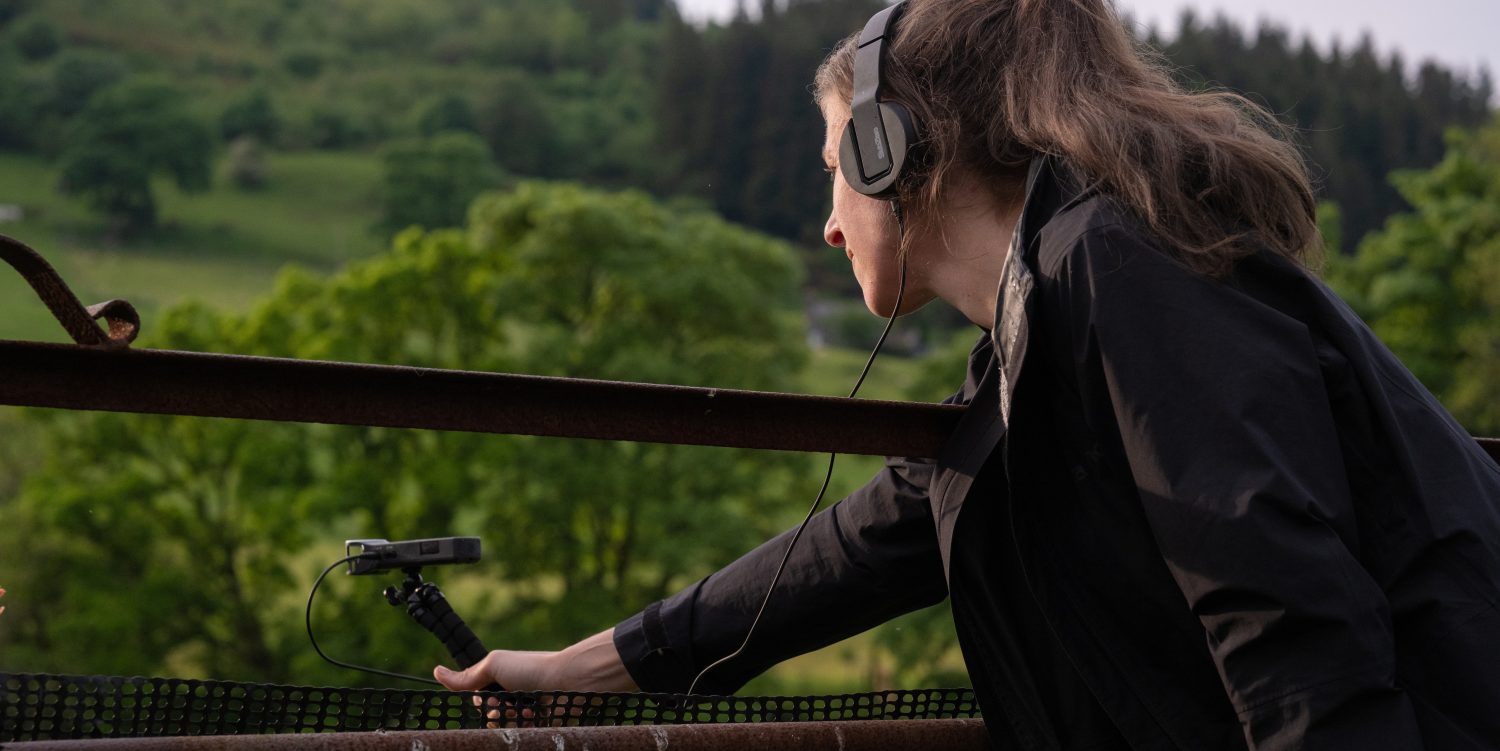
<point>222,247</point>
<point>832,371</point>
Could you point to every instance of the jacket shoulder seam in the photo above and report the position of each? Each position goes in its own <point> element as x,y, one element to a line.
<point>1048,263</point>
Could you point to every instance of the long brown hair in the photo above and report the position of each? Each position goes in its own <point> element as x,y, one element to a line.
<point>992,83</point>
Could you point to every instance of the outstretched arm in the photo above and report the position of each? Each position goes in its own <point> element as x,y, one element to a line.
<point>590,665</point>
<point>867,559</point>
<point>863,561</point>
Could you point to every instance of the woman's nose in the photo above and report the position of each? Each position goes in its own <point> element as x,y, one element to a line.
<point>832,234</point>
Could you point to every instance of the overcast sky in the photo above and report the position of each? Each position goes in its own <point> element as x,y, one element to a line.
<point>1461,34</point>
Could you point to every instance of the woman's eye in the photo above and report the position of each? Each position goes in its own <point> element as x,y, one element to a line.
<point>830,171</point>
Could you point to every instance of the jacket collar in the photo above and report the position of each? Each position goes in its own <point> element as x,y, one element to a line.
<point>1051,187</point>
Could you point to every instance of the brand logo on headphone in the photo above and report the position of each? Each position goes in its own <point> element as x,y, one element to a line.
<point>879,142</point>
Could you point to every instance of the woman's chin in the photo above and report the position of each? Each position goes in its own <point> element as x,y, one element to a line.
<point>877,307</point>
<point>881,308</point>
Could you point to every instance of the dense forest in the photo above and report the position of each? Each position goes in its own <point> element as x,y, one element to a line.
<point>1361,115</point>
<point>499,186</point>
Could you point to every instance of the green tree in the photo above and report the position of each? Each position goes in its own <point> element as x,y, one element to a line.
<point>79,74</point>
<point>10,9</point>
<point>516,118</point>
<point>191,542</point>
<point>305,62</point>
<point>1429,282</point>
<point>125,135</point>
<point>22,103</point>
<point>335,126</point>
<point>252,115</point>
<point>36,38</point>
<point>448,112</point>
<point>430,182</point>
<point>623,290</point>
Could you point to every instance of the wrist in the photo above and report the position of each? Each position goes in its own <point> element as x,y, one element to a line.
<point>592,664</point>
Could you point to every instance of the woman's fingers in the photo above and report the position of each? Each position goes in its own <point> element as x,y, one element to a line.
<point>509,713</point>
<point>522,671</point>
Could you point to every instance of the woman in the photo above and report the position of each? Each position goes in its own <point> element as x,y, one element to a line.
<point>1193,502</point>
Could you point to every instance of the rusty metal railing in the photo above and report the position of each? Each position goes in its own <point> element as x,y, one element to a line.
<point>101,372</point>
<point>119,379</point>
<point>846,735</point>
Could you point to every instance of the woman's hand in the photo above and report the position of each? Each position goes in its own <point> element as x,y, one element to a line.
<point>590,665</point>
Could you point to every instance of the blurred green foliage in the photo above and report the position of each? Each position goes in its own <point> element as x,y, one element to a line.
<point>447,112</point>
<point>193,541</point>
<point>430,182</point>
<point>1429,282</point>
<point>245,163</point>
<point>252,115</point>
<point>123,136</point>
<point>36,38</point>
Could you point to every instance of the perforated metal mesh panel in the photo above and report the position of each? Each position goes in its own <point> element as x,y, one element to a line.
<point>47,707</point>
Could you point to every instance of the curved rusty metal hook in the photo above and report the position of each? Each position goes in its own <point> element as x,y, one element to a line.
<point>123,321</point>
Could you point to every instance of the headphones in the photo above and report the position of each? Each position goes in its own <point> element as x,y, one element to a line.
<point>875,142</point>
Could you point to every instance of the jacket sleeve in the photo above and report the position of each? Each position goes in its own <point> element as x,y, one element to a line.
<point>1230,440</point>
<point>863,561</point>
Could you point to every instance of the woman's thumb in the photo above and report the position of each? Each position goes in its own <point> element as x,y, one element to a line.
<point>474,678</point>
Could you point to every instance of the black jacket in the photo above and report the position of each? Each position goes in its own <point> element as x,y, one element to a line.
<point>1235,517</point>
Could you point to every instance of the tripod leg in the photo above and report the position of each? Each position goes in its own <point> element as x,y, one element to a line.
<point>430,608</point>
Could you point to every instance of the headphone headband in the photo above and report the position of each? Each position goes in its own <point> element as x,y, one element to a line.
<point>875,141</point>
<point>875,160</point>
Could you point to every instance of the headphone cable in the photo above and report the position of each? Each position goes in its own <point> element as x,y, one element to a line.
<point>775,578</point>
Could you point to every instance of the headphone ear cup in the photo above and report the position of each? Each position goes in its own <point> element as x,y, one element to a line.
<point>849,157</point>
<point>901,130</point>
<point>900,133</point>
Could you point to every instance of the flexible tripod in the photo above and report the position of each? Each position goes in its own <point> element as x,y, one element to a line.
<point>426,605</point>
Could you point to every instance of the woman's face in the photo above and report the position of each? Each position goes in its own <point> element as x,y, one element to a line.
<point>865,229</point>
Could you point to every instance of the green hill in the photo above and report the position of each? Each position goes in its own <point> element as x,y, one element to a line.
<point>601,91</point>
<point>222,247</point>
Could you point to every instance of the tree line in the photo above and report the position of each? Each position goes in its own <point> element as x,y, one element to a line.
<point>1360,115</point>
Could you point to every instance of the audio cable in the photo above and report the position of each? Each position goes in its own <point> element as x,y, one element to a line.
<point>311,638</point>
<point>828,476</point>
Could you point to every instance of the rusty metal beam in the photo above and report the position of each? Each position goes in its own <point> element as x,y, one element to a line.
<point>849,735</point>
<point>262,388</point>
<point>101,374</point>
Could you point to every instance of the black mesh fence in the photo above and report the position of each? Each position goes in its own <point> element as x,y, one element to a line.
<point>47,707</point>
